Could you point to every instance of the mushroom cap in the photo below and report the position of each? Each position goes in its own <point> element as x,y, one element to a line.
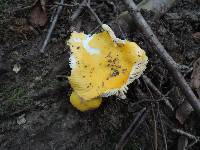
<point>84,105</point>
<point>100,67</point>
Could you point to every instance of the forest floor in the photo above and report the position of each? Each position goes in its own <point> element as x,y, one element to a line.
<point>35,112</point>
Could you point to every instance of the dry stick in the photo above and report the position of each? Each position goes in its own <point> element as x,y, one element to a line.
<point>157,91</point>
<point>93,13</point>
<point>162,128</point>
<point>154,117</point>
<point>131,129</point>
<point>55,19</point>
<point>171,64</point>
<point>74,16</point>
<point>67,5</point>
<point>78,11</point>
<point>190,136</point>
<point>150,85</point>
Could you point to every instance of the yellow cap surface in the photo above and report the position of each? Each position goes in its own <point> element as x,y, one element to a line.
<point>99,65</point>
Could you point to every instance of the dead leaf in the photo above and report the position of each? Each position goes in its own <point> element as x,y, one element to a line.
<point>195,81</point>
<point>183,111</point>
<point>196,36</point>
<point>38,14</point>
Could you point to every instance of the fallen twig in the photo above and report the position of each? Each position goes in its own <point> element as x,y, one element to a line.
<point>67,5</point>
<point>157,91</point>
<point>55,19</point>
<point>162,128</point>
<point>131,129</point>
<point>171,64</point>
<point>190,136</point>
<point>62,64</point>
<point>78,11</point>
<point>155,135</point>
<point>93,13</point>
<point>73,17</point>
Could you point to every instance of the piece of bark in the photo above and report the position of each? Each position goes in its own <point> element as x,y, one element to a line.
<point>159,7</point>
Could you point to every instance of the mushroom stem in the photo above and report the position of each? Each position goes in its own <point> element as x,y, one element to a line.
<point>84,105</point>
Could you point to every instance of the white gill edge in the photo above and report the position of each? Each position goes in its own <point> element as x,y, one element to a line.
<point>135,73</point>
<point>72,61</point>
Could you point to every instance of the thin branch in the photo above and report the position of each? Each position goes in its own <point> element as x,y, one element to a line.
<point>162,127</point>
<point>190,136</point>
<point>170,63</point>
<point>145,101</point>
<point>93,13</point>
<point>73,17</point>
<point>78,11</point>
<point>131,129</point>
<point>67,5</point>
<point>154,117</point>
<point>157,91</point>
<point>55,19</point>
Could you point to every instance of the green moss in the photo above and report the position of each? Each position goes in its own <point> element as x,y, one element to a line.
<point>13,98</point>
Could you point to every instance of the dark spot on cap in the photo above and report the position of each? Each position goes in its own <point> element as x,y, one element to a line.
<point>124,70</point>
<point>115,73</point>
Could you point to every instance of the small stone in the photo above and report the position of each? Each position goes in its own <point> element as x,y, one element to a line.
<point>21,119</point>
<point>16,68</point>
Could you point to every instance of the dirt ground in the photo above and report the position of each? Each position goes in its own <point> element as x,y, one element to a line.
<point>35,112</point>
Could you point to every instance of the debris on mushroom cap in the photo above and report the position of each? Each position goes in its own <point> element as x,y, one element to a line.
<point>103,65</point>
<point>84,105</point>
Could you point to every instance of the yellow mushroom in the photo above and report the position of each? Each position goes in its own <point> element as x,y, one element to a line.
<point>84,105</point>
<point>103,65</point>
